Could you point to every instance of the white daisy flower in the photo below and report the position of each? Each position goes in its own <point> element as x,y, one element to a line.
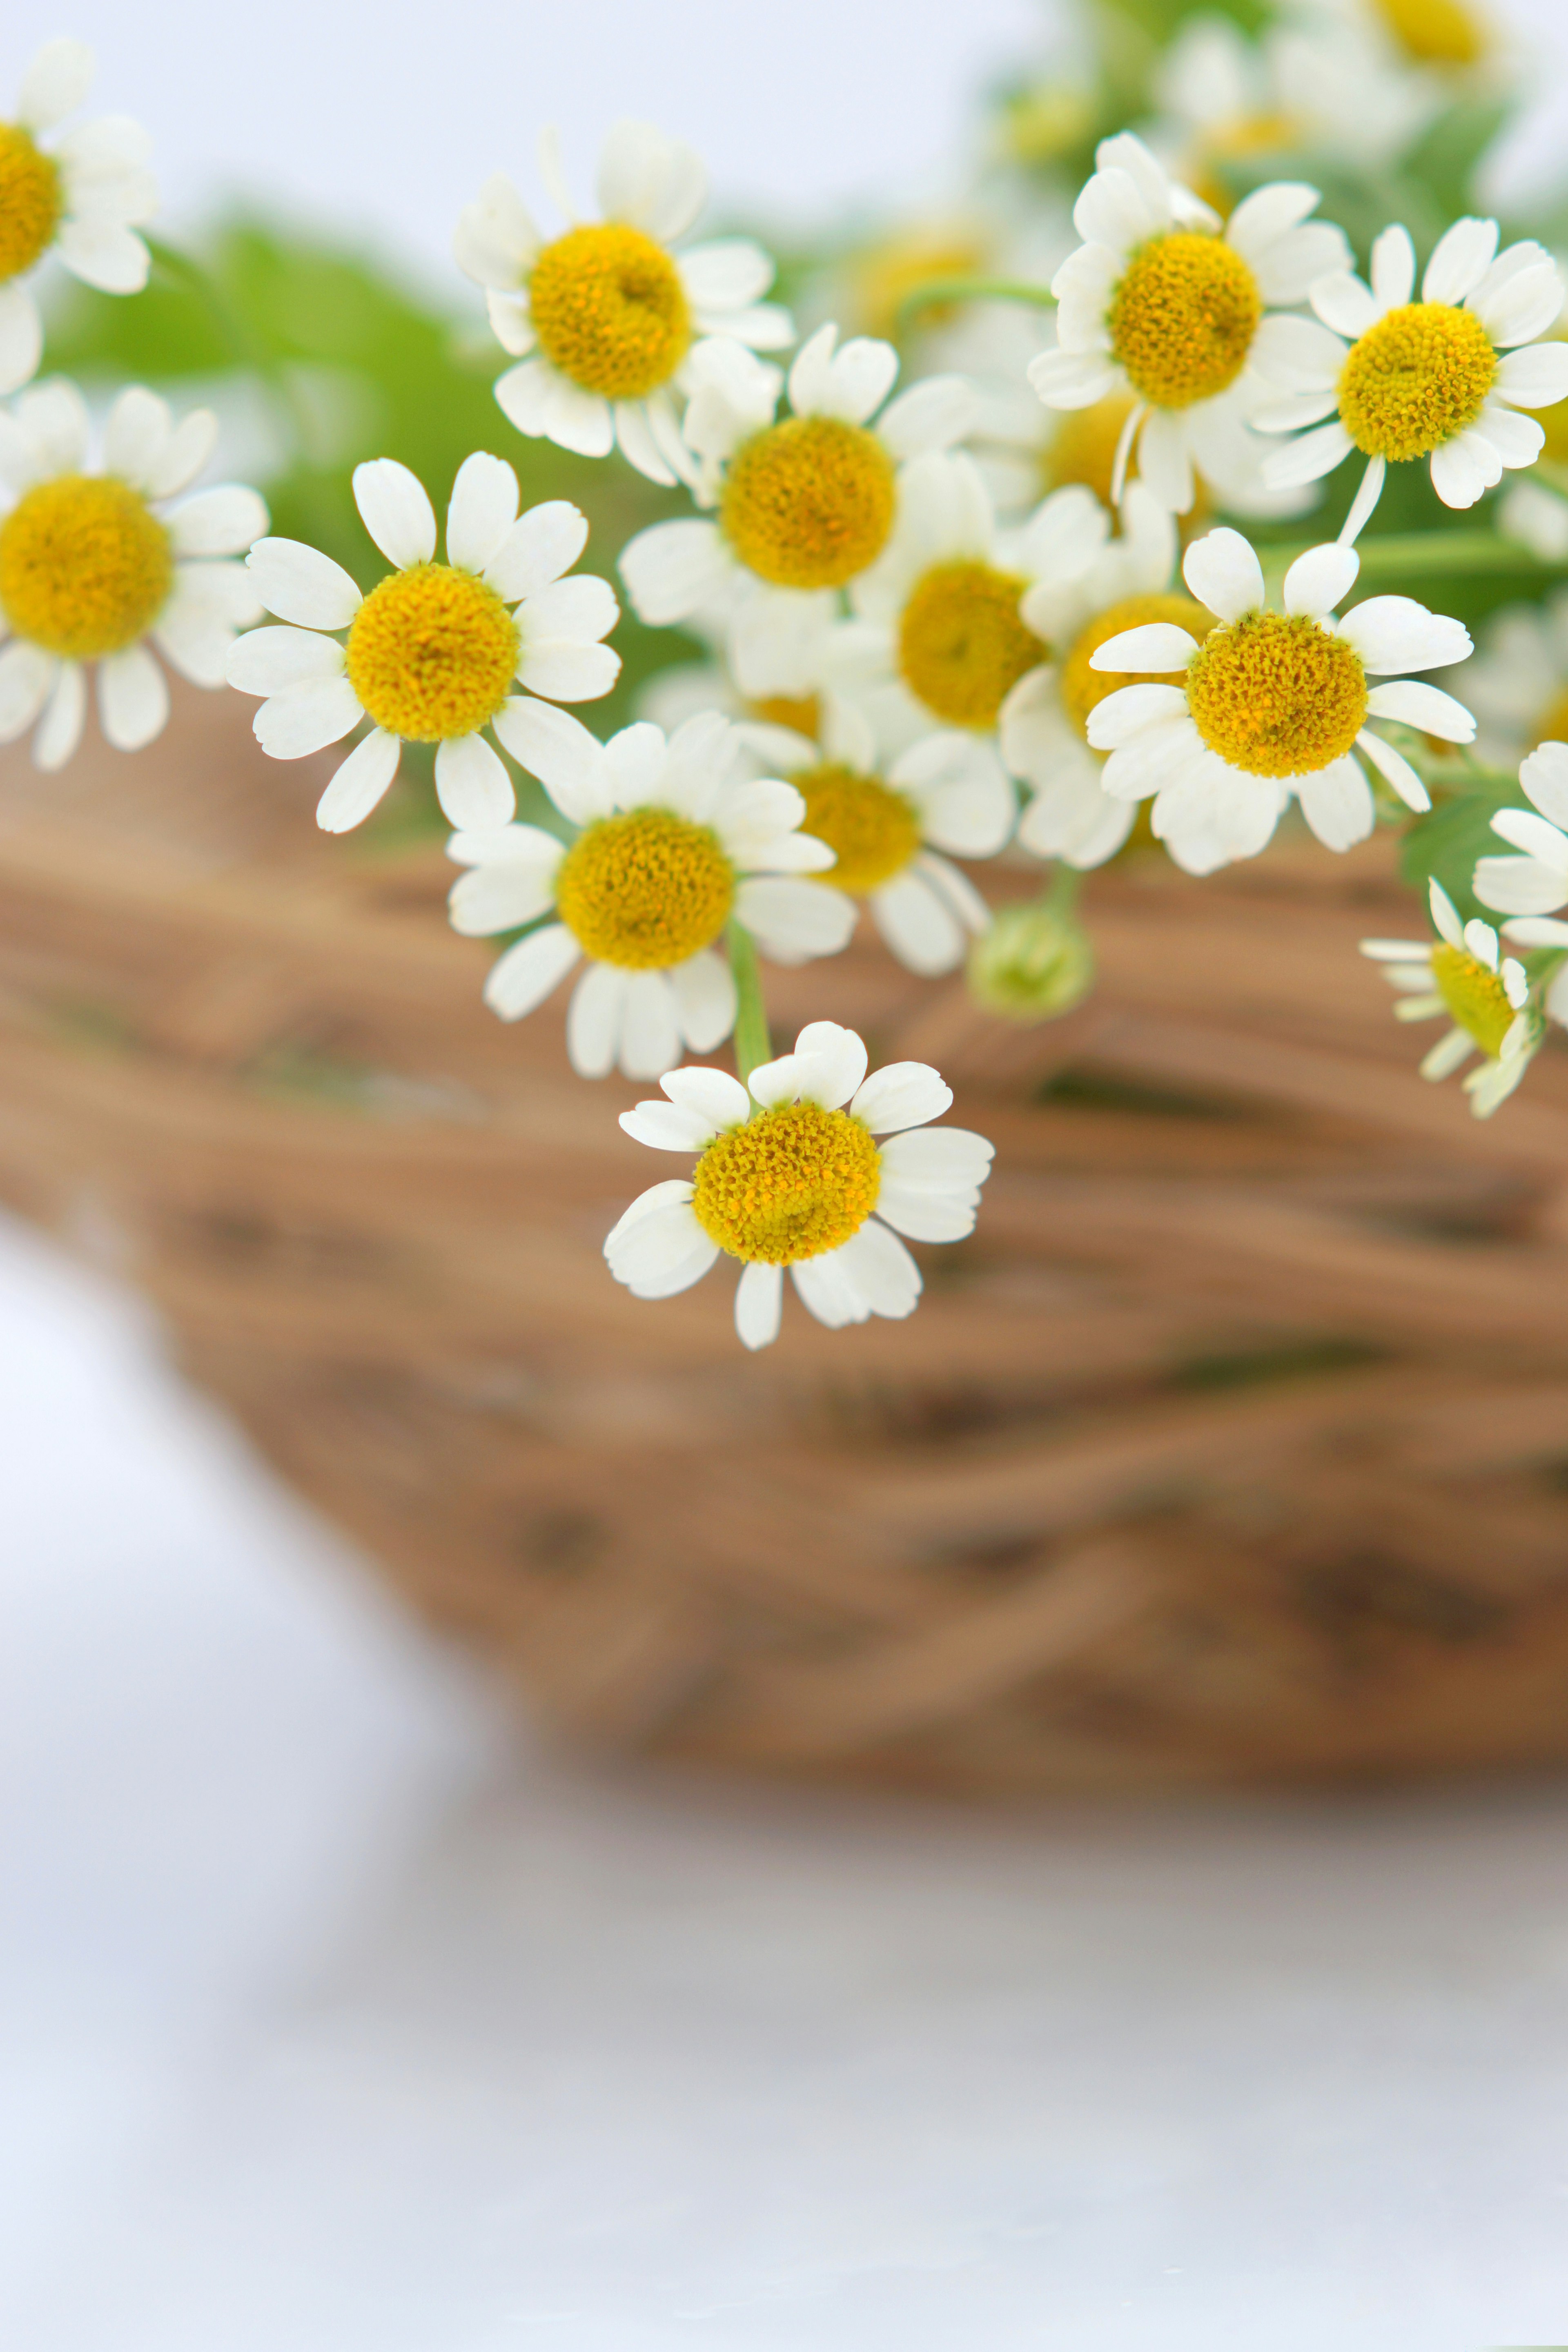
<point>1272,704</point>
<point>805,503</point>
<point>791,1173</point>
<point>1127,584</point>
<point>76,199</point>
<point>1158,303</point>
<point>1516,685</point>
<point>669,850</point>
<point>1485,994</point>
<point>888,822</point>
<point>1443,378</point>
<point>1535,881</point>
<point>432,654</point>
<point>604,319</point>
<point>94,567</point>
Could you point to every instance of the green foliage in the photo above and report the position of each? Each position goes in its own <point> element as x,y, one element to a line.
<point>1448,844</point>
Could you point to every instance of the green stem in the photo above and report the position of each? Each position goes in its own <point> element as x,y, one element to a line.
<point>1061,893</point>
<point>753,1043</point>
<point>974,289</point>
<point>1402,555</point>
<point>233,331</point>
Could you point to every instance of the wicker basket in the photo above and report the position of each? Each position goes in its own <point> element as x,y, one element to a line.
<point>1234,1445</point>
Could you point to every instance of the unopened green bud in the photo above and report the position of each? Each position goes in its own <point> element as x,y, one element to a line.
<point>1034,962</point>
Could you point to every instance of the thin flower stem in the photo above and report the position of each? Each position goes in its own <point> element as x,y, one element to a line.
<point>233,331</point>
<point>1402,555</point>
<point>753,1043</point>
<point>1061,893</point>
<point>943,290</point>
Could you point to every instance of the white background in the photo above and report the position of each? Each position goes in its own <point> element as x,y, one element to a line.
<point>335,2019</point>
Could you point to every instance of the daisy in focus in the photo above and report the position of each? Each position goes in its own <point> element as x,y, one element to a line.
<point>1484,994</point>
<point>1272,704</point>
<point>894,825</point>
<point>670,848</point>
<point>433,654</point>
<point>77,199</point>
<point>792,1174</point>
<point>1442,379</point>
<point>804,503</point>
<point>95,573</point>
<point>1518,683</point>
<point>603,320</point>
<point>1158,304</point>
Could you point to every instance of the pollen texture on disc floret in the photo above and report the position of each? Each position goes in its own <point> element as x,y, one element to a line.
<point>1475,995</point>
<point>1274,694</point>
<point>962,646</point>
<point>788,1185</point>
<point>609,309</point>
<point>85,568</point>
<point>1415,379</point>
<point>30,202</point>
<point>872,830</point>
<point>645,891</point>
<point>809,503</point>
<point>1182,318</point>
<point>432,653</point>
<point>1082,688</point>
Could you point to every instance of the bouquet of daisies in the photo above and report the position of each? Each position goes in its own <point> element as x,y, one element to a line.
<point>1140,503</point>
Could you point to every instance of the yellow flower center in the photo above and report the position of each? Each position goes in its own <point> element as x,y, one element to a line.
<point>1243,140</point>
<point>1435,32</point>
<point>886,275</point>
<point>432,653</point>
<point>872,830</point>
<point>1553,422</point>
<point>1553,725</point>
<point>1474,994</point>
<point>801,712</point>
<point>962,647</point>
<point>1182,318</point>
<point>809,503</point>
<point>85,569</point>
<point>1083,446</point>
<point>30,203</point>
<point>1274,694</point>
<point>788,1185</point>
<point>645,891</point>
<point>1415,380</point>
<point>1082,687</point>
<point>610,310</point>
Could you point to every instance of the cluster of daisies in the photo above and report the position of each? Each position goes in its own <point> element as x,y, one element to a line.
<point>909,657</point>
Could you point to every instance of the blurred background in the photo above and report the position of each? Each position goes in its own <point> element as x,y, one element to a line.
<point>337,2016</point>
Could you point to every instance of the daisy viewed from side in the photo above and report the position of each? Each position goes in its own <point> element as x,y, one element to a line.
<point>77,199</point>
<point>792,1174</point>
<point>1485,994</point>
<point>95,571</point>
<point>1272,704</point>
<point>1442,379</point>
<point>889,822</point>
<point>433,654</point>
<point>603,320</point>
<point>1158,303</point>
<point>669,850</point>
<point>804,503</point>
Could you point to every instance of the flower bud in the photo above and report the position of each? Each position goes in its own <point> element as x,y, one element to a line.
<point>1034,962</point>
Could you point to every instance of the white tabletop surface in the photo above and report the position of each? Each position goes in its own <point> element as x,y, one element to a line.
<point>337,2018</point>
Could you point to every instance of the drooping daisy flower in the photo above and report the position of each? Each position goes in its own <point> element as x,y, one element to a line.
<point>1157,302</point>
<point>1045,740</point>
<point>1441,379</point>
<point>76,199</point>
<point>889,821</point>
<point>1486,995</point>
<point>791,1173</point>
<point>1535,881</point>
<point>433,653</point>
<point>806,502</point>
<point>1272,704</point>
<point>603,319</point>
<point>93,570</point>
<point>1518,683</point>
<point>669,850</point>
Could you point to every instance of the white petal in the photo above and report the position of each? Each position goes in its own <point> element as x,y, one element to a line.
<point>1397,769</point>
<point>777,1082</point>
<point>1321,579</point>
<point>1545,775</point>
<point>705,1000</point>
<point>569,673</point>
<point>1443,915</point>
<point>26,675</point>
<point>138,432</point>
<point>1536,377</point>
<point>21,337</point>
<point>298,583</point>
<point>1395,633</point>
<point>1531,931</point>
<point>577,419</point>
<point>269,661</point>
<point>496,240</point>
<point>306,719</point>
<point>1521,886</point>
<point>824,1289</point>
<point>472,785</point>
<point>520,979</point>
<point>1523,829</point>
<point>55,84</point>
<point>1364,504</point>
<point>1165,459</point>
<point>925,1216</point>
<point>523,393</point>
<point>833,1063</point>
<point>712,1097</point>
<point>673,570</point>
<point>360,783</point>
<point>133,698</point>
<point>937,1159</point>
<point>726,275</point>
<point>577,610</point>
<point>639,445</point>
<point>673,1192</point>
<point>930,416</point>
<point>1427,706</point>
<point>919,925</point>
<point>794,920</point>
<point>1309,458</point>
<point>1293,265</point>
<point>1460,260</point>
<point>1223,572</point>
<point>666,1127</point>
<point>224,521</point>
<point>594,1020</point>
<point>651,1029</point>
<point>396,510</point>
<point>1125,714</point>
<point>557,749</point>
<point>1459,474</point>
<point>900,1095</point>
<point>879,1268</point>
<point>105,254</point>
<point>759,1305</point>
<point>1157,646</point>
<point>1069,380</point>
<point>482,512</point>
<point>506,894</point>
<point>59,729</point>
<point>1337,802</point>
<point>1393,268</point>
<point>1513,439</point>
<point>539,547</point>
<point>655,182</point>
<point>1343,303</point>
<point>1298,354</point>
<point>54,417</point>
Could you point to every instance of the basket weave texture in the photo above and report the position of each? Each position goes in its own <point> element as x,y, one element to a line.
<point>1234,1445</point>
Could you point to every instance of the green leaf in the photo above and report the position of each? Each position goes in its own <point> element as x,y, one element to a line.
<point>1450,843</point>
